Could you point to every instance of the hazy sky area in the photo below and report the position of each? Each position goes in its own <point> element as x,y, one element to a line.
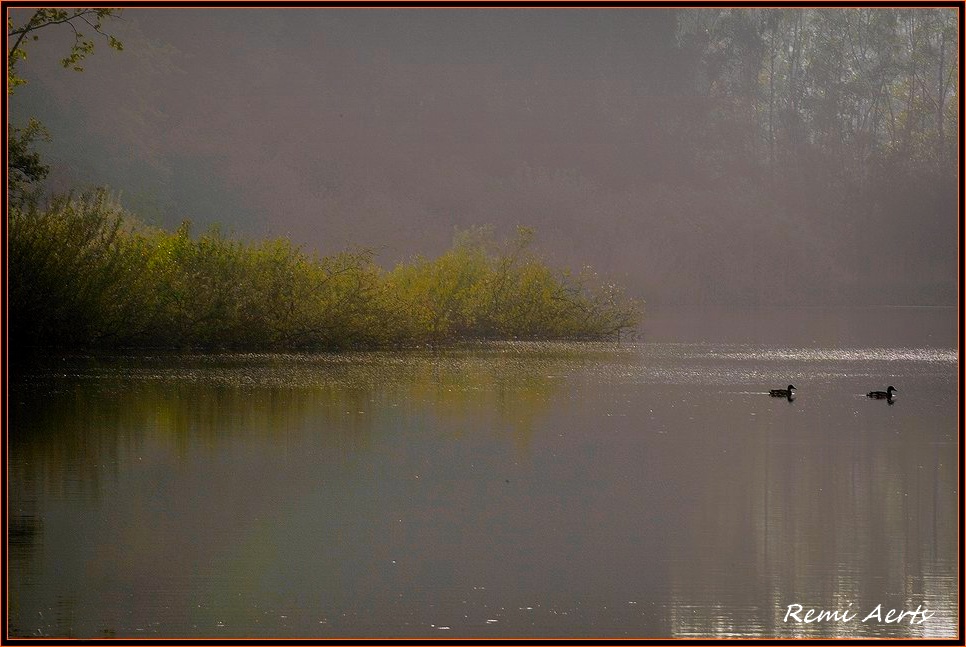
<point>390,128</point>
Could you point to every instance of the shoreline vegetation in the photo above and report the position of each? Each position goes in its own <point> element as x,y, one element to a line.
<point>85,274</point>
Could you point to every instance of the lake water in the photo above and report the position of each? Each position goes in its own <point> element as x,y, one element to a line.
<point>650,489</point>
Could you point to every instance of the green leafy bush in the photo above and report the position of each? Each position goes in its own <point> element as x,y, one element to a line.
<point>85,274</point>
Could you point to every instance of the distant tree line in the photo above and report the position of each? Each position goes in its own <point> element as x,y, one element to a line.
<point>824,141</point>
<point>855,92</point>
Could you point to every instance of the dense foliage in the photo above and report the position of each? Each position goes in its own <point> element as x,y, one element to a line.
<point>85,274</point>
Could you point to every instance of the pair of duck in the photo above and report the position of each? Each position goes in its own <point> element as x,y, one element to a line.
<point>878,395</point>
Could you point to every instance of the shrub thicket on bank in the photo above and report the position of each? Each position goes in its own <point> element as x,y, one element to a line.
<point>83,274</point>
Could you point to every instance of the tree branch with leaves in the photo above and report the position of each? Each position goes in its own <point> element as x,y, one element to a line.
<point>24,166</point>
<point>76,19</point>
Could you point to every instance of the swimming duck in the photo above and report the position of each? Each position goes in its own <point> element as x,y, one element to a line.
<point>782,393</point>
<point>880,395</point>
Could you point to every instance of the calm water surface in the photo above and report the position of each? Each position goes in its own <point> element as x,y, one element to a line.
<point>651,489</point>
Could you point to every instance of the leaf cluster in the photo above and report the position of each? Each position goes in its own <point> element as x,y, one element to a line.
<point>24,166</point>
<point>77,19</point>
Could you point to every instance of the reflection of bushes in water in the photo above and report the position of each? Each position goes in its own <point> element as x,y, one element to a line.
<point>476,395</point>
<point>191,414</point>
<point>72,431</point>
<point>75,426</point>
<point>24,540</point>
<point>84,274</point>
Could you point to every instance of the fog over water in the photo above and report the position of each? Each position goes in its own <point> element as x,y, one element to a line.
<point>629,139</point>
